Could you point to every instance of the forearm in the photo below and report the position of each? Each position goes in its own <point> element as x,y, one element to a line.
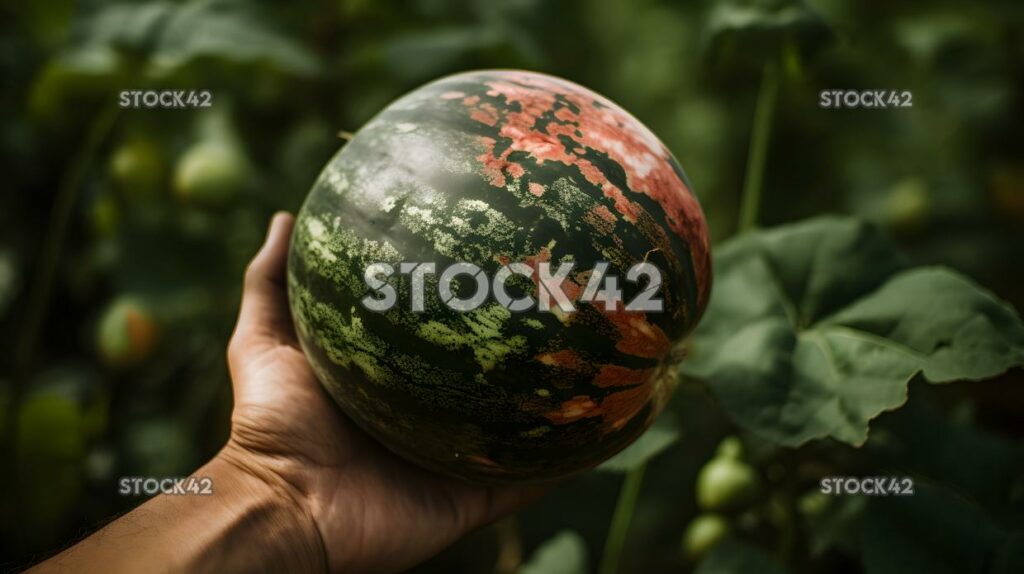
<point>246,525</point>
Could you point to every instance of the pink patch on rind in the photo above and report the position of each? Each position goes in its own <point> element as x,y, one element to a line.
<point>602,126</point>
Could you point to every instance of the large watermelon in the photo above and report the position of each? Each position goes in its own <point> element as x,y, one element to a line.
<point>492,168</point>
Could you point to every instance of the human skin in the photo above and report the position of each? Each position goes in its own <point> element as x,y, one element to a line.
<point>297,487</point>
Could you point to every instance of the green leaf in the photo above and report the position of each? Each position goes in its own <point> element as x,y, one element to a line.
<point>662,434</point>
<point>565,553</point>
<point>954,328</point>
<point>751,31</point>
<point>132,28</point>
<point>815,328</point>
<point>922,440</point>
<point>228,30</point>
<point>735,557</point>
<point>87,72</point>
<point>937,531</point>
<point>169,35</point>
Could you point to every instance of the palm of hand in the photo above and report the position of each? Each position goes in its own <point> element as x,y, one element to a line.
<point>373,511</point>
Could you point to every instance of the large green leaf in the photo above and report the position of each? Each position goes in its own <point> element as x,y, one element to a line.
<point>169,35</point>
<point>937,531</point>
<point>750,31</point>
<point>565,553</point>
<point>816,328</point>
<point>232,31</point>
<point>922,440</point>
<point>128,27</point>
<point>86,73</point>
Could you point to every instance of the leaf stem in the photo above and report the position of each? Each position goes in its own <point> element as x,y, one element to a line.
<point>621,519</point>
<point>753,182</point>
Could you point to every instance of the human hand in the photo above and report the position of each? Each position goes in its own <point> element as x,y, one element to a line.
<point>372,511</point>
<point>297,487</point>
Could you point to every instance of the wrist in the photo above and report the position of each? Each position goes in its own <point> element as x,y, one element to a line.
<point>249,523</point>
<point>271,518</point>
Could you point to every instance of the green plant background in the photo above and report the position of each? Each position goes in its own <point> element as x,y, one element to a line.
<point>121,259</point>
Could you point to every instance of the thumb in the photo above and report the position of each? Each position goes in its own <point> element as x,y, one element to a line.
<point>264,319</point>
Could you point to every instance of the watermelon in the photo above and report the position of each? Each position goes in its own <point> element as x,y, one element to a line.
<point>493,168</point>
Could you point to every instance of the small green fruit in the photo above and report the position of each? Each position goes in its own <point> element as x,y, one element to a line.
<point>703,534</point>
<point>726,484</point>
<point>908,205</point>
<point>50,449</point>
<point>210,173</point>
<point>127,334</point>
<point>730,447</point>
<point>49,428</point>
<point>137,168</point>
<point>813,503</point>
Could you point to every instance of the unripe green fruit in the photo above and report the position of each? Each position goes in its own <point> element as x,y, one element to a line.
<point>813,503</point>
<point>210,173</point>
<point>49,427</point>
<point>703,534</point>
<point>730,447</point>
<point>136,168</point>
<point>726,484</point>
<point>127,333</point>
<point>908,206</point>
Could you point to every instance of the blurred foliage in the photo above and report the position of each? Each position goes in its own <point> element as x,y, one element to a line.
<point>566,553</point>
<point>124,234</point>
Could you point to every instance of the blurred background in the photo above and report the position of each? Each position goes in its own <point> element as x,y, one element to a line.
<point>124,232</point>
